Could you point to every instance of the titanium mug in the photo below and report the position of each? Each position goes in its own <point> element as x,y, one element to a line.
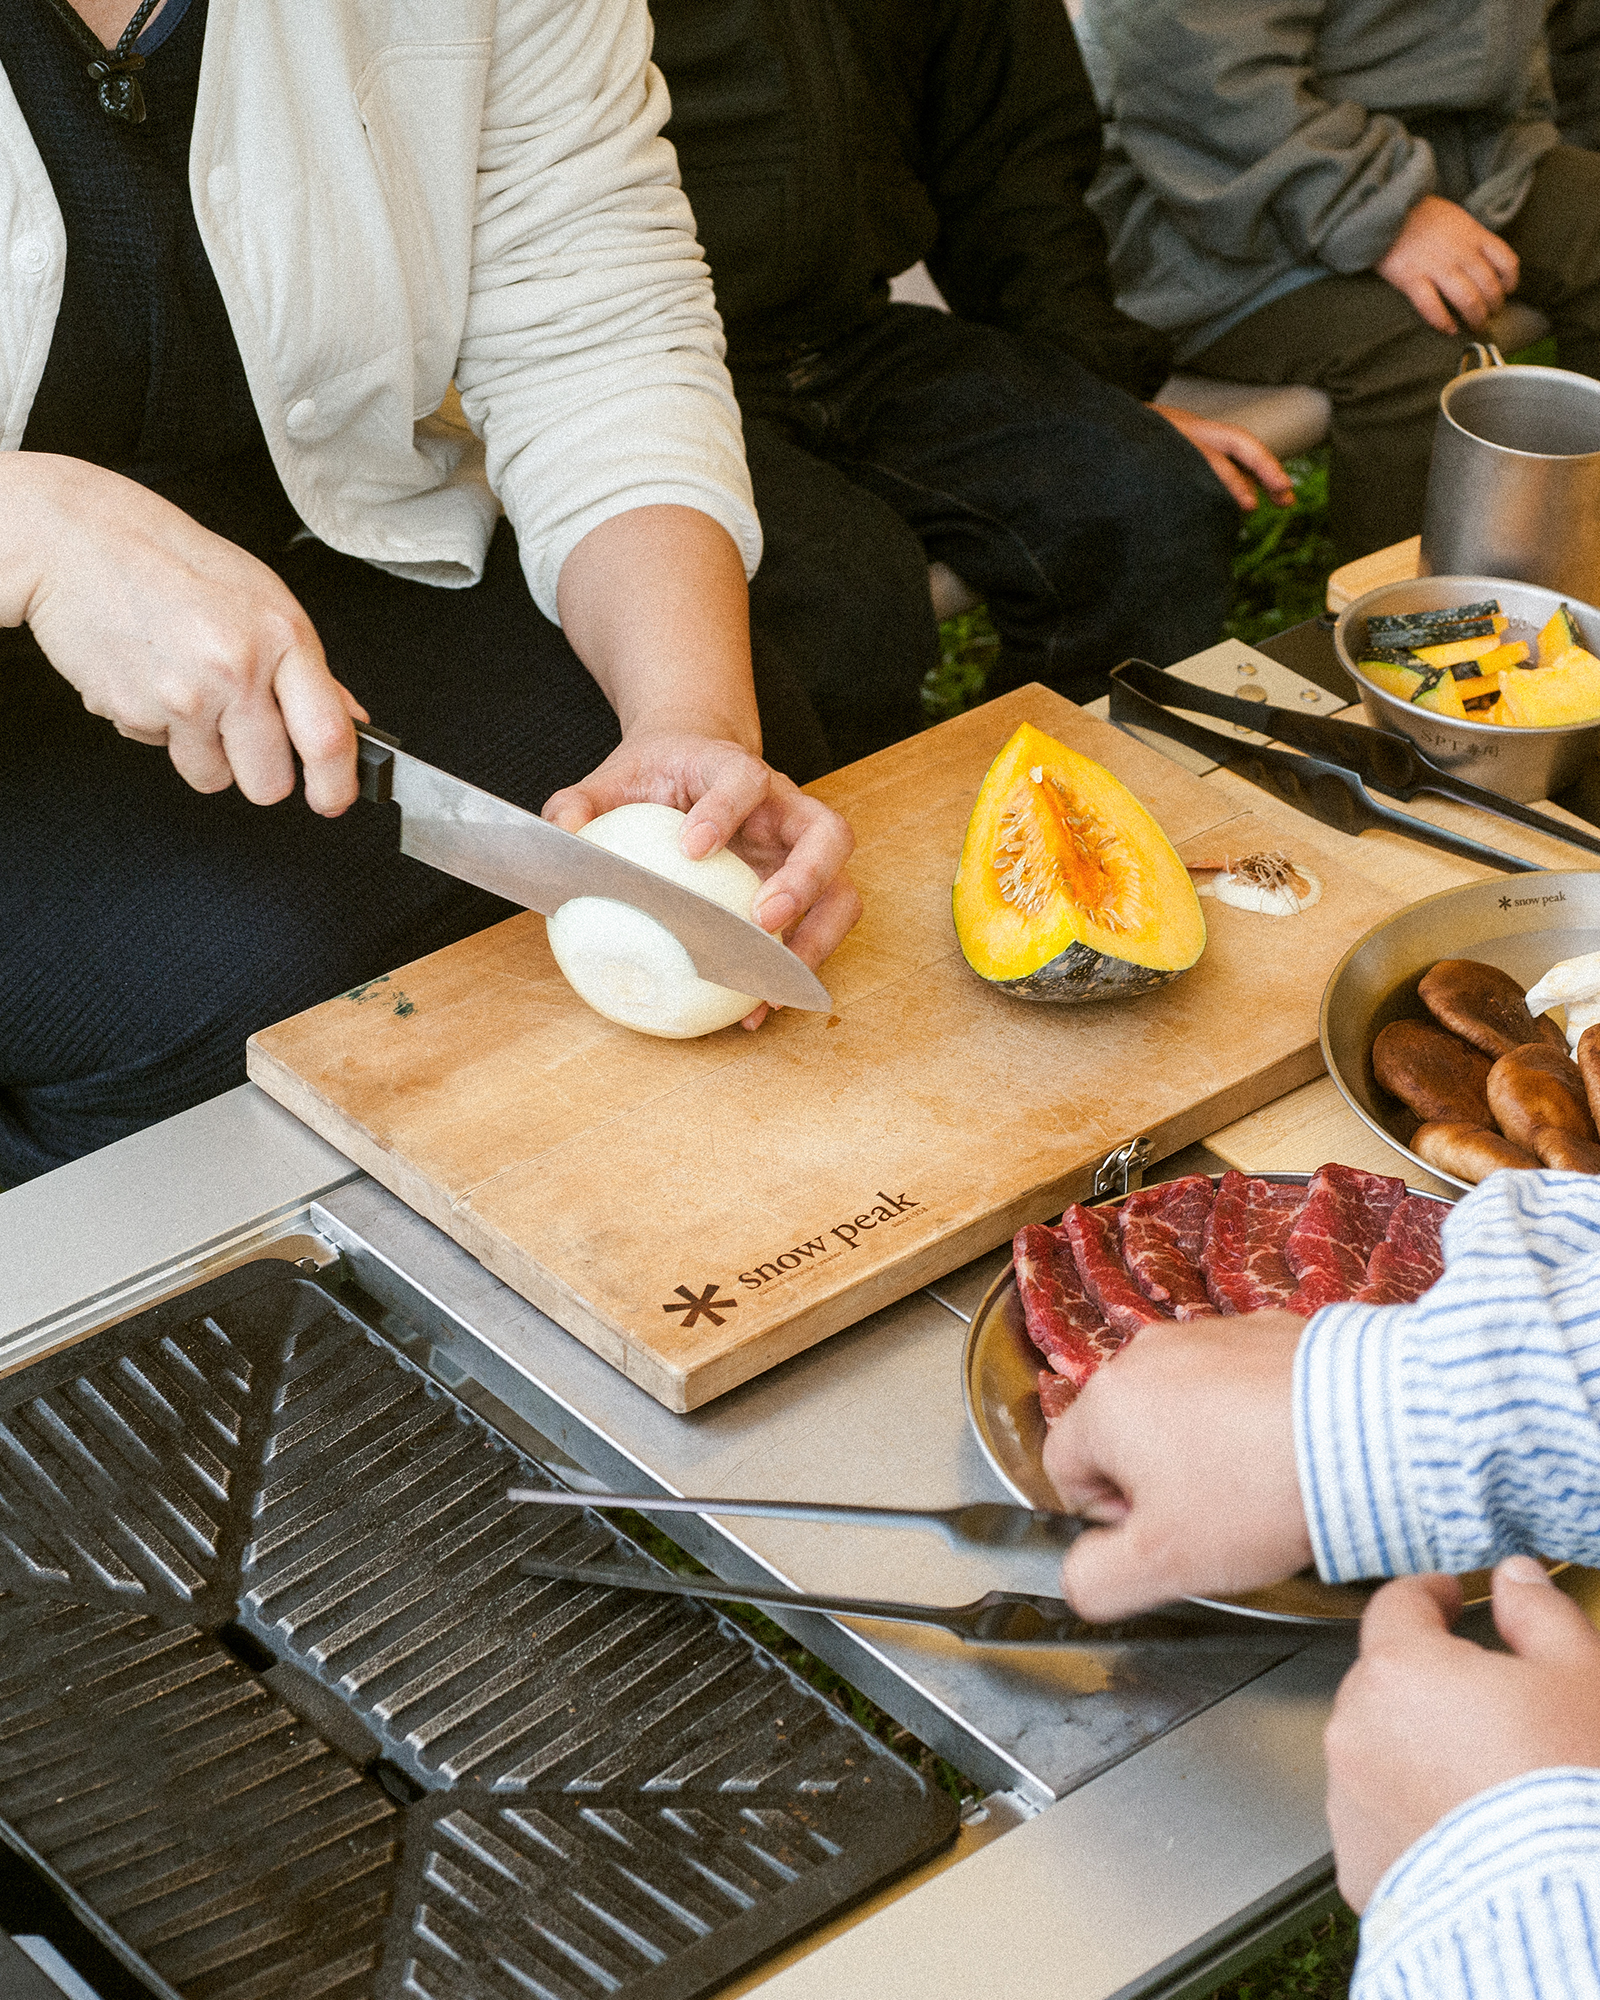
<point>1514,482</point>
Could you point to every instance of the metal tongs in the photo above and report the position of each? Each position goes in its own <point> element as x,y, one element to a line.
<point>999,1618</point>
<point>1330,782</point>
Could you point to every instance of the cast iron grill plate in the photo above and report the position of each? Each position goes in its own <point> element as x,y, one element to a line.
<point>283,1720</point>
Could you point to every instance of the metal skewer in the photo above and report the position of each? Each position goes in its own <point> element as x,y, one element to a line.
<point>999,1618</point>
<point>980,1525</point>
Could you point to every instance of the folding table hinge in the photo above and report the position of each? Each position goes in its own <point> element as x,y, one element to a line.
<point>1122,1171</point>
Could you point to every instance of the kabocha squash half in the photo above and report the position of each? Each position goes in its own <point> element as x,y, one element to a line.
<point>1068,889</point>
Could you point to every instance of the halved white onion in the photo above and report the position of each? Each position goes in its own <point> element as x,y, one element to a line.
<point>627,966</point>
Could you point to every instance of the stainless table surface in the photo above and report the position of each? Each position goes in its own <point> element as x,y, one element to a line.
<point>1132,1880</point>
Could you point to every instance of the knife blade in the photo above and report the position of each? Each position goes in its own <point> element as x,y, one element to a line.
<point>1392,764</point>
<point>487,841</point>
<point>1323,791</point>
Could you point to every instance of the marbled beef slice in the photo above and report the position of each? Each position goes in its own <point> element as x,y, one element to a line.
<point>1242,1256</point>
<point>1097,1251</point>
<point>1056,1394</point>
<point>1163,1229</point>
<point>1410,1258</point>
<point>1063,1322</point>
<point>1345,1218</point>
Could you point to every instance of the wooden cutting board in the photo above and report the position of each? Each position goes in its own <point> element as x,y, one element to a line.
<point>696,1212</point>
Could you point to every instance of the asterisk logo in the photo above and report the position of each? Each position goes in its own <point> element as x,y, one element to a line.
<point>696,1306</point>
<point>1505,902</point>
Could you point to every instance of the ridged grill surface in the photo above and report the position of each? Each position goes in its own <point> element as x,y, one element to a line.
<point>613,1794</point>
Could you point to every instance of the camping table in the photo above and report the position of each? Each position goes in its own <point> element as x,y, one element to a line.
<point>1180,1854</point>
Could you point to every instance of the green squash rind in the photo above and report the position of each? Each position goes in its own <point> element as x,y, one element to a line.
<point>1080,974</point>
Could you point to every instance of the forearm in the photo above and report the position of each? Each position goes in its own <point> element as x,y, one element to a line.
<point>1442,1435</point>
<point>655,605</point>
<point>31,484</point>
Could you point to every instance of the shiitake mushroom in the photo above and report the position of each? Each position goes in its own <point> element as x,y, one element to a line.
<point>1484,1006</point>
<point>1468,1152</point>
<point>1588,1055</point>
<point>1537,1088</point>
<point>1434,1074</point>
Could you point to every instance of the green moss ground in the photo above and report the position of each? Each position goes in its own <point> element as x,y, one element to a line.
<point>1314,1966</point>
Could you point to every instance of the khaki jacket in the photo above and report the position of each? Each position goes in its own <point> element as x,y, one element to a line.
<point>398,194</point>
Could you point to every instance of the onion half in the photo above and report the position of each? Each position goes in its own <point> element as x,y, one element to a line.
<point>624,964</point>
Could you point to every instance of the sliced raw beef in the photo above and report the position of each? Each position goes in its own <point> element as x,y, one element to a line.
<point>1097,1250</point>
<point>1056,1394</point>
<point>1162,1231</point>
<point>1063,1322</point>
<point>1345,1218</point>
<point>1410,1258</point>
<point>1242,1256</point>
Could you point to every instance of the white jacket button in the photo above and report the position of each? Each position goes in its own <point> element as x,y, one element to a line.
<point>301,416</point>
<point>31,254</point>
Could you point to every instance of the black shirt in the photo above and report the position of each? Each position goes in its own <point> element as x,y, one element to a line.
<point>143,374</point>
<point>828,144</point>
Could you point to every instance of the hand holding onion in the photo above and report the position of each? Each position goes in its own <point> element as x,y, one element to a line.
<point>735,806</point>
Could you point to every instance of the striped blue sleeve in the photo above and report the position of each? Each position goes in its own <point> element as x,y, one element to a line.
<point>1446,1434</point>
<point>1499,1901</point>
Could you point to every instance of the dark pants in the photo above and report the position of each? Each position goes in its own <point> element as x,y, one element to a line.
<point>1383,366</point>
<point>146,931</point>
<point>1089,525</point>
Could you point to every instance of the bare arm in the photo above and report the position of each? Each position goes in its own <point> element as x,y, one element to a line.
<point>654,603</point>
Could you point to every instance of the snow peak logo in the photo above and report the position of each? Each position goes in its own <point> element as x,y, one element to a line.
<point>831,1243</point>
<point>1526,902</point>
<point>696,1306</point>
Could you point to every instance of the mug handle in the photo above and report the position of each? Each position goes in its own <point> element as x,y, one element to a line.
<point>1481,354</point>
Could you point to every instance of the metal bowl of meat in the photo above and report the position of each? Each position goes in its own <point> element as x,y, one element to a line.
<point>1002,1368</point>
<point>1519,763</point>
<point>1521,924</point>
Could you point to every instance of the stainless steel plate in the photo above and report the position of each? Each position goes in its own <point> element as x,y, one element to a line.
<point>1000,1379</point>
<point>1523,925</point>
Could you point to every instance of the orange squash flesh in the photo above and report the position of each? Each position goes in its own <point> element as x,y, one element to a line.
<point>1068,889</point>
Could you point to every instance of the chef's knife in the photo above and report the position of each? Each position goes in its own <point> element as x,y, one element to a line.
<point>1323,791</point>
<point>1392,764</point>
<point>471,834</point>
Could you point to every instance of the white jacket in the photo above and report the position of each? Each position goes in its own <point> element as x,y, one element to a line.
<point>398,193</point>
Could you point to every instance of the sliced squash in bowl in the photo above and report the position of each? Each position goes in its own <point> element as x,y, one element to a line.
<point>1068,890</point>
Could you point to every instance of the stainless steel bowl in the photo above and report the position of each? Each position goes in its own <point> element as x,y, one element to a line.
<point>1519,764</point>
<point>1521,923</point>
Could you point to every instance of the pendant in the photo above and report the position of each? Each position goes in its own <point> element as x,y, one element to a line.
<point>119,90</point>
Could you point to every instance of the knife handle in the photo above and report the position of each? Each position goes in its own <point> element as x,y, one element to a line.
<point>375,750</point>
